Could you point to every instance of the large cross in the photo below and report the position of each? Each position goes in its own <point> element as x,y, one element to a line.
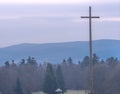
<point>90,17</point>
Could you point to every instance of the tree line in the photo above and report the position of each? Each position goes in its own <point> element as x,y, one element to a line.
<point>28,76</point>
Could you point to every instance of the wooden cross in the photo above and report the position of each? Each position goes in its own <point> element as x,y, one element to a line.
<point>90,17</point>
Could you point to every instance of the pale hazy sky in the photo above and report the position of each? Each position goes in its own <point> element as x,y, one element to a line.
<point>47,21</point>
<point>55,1</point>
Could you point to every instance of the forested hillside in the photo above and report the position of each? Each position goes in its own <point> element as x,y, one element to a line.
<point>28,76</point>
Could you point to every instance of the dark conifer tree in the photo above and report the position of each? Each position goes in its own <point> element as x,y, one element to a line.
<point>7,64</point>
<point>60,79</point>
<point>31,61</point>
<point>64,62</point>
<point>22,62</point>
<point>85,61</point>
<point>95,59</point>
<point>18,89</point>
<point>49,85</point>
<point>69,61</point>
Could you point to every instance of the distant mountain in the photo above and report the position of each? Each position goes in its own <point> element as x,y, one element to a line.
<point>56,52</point>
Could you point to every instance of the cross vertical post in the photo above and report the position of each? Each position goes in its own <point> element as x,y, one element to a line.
<point>90,17</point>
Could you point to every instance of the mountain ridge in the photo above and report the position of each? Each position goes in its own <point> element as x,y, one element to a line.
<point>57,42</point>
<point>56,52</point>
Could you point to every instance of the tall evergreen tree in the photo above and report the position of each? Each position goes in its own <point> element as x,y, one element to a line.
<point>60,79</point>
<point>31,61</point>
<point>64,62</point>
<point>7,64</point>
<point>85,61</point>
<point>112,61</point>
<point>69,61</point>
<point>22,62</point>
<point>18,89</point>
<point>49,85</point>
<point>95,59</point>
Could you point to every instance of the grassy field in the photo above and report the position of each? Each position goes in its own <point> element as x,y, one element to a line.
<point>68,92</point>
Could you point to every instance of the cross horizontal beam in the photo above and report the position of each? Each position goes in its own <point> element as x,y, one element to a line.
<point>90,17</point>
